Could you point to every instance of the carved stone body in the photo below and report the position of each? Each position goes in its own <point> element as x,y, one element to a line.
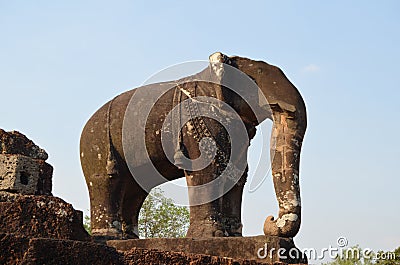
<point>119,181</point>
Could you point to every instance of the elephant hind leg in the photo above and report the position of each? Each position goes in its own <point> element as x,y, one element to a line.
<point>130,209</point>
<point>115,216</point>
<point>105,221</point>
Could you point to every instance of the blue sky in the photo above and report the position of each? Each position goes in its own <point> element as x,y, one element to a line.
<point>61,60</point>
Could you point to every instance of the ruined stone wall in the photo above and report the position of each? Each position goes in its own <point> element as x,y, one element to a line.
<point>40,216</point>
<point>23,168</point>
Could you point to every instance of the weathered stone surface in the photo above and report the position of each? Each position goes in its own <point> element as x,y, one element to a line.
<point>17,143</point>
<point>23,250</point>
<point>12,248</point>
<point>244,248</point>
<point>140,256</point>
<point>45,183</point>
<point>19,174</point>
<point>22,165</point>
<point>40,216</point>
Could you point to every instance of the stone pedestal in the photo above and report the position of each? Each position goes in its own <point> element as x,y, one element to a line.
<point>16,249</point>
<point>32,251</point>
<point>257,248</point>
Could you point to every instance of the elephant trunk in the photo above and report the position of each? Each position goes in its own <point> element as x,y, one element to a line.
<point>274,97</point>
<point>286,140</point>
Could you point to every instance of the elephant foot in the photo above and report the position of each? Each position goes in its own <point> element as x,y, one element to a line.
<point>130,231</point>
<point>232,227</point>
<point>287,225</point>
<point>117,230</point>
<point>103,234</point>
<point>202,230</point>
<point>205,233</point>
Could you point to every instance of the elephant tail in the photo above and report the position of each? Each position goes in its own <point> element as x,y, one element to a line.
<point>112,163</point>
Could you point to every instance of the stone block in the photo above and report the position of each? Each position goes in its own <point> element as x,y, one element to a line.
<point>138,256</point>
<point>15,142</point>
<point>17,249</point>
<point>40,216</point>
<point>45,182</point>
<point>262,249</point>
<point>32,251</point>
<point>19,173</point>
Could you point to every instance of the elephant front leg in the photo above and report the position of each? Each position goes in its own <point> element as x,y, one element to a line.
<point>286,139</point>
<point>232,208</point>
<point>205,204</point>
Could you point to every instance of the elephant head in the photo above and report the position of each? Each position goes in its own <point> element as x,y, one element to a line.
<point>280,101</point>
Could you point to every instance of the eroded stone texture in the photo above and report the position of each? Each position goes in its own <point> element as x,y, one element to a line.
<point>22,165</point>
<point>40,216</point>
<point>45,183</point>
<point>23,250</point>
<point>15,142</point>
<point>19,173</point>
<point>236,248</point>
<point>139,256</point>
<point>12,248</point>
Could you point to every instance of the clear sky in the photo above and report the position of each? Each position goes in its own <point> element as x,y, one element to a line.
<point>61,60</point>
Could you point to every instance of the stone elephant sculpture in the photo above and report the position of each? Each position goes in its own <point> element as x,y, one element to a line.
<point>120,156</point>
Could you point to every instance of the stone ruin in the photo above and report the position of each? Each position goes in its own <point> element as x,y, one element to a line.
<point>27,208</point>
<point>38,228</point>
<point>23,168</point>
